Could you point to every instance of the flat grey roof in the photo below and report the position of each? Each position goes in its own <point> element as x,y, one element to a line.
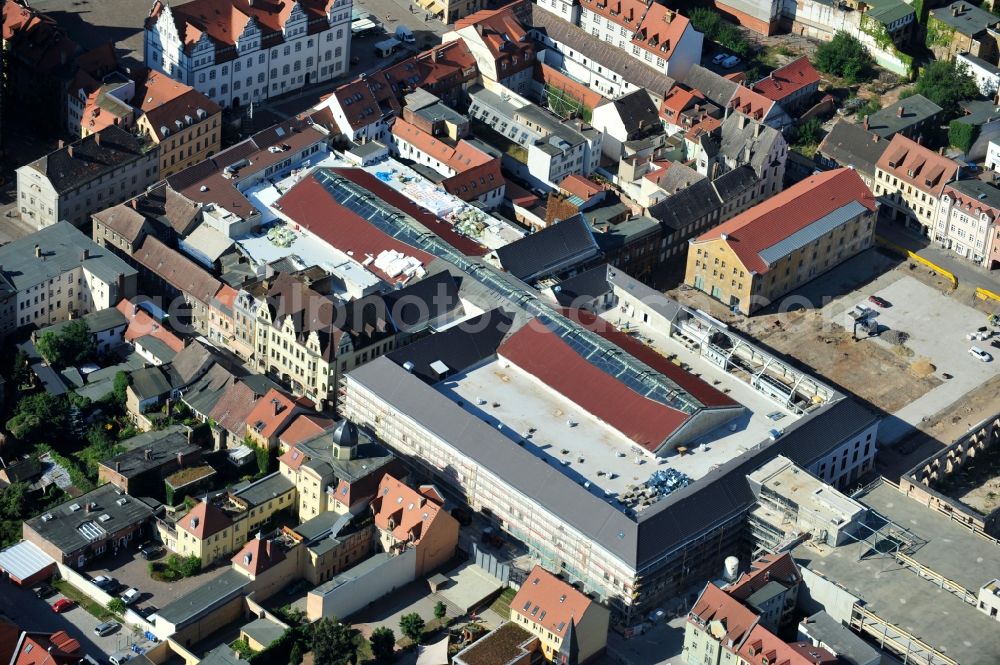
<point>266,488</point>
<point>850,648</point>
<point>204,598</point>
<point>162,450</point>
<point>264,631</point>
<point>916,109</point>
<point>71,529</point>
<point>99,321</point>
<point>369,565</point>
<point>62,246</point>
<point>317,526</point>
<point>900,596</point>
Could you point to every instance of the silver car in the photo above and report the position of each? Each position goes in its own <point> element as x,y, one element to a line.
<point>106,628</point>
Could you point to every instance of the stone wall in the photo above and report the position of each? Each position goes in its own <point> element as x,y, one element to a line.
<point>922,481</point>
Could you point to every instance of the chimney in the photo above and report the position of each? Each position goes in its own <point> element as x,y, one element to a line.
<point>941,150</point>
<point>899,111</point>
<point>118,466</point>
<point>38,251</point>
<point>875,138</point>
<point>97,138</point>
<point>180,456</point>
<point>88,506</point>
<point>62,144</point>
<point>134,204</point>
<point>866,123</point>
<point>148,454</point>
<point>69,150</point>
<point>84,254</point>
<point>954,10</point>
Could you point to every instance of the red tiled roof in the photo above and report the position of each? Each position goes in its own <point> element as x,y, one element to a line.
<point>541,353</point>
<point>164,101</point>
<point>410,512</point>
<point>626,13</point>
<point>698,389</point>
<point>309,205</point>
<point>427,219</point>
<point>777,218</point>
<point>306,426</point>
<point>661,30</point>
<point>142,324</point>
<point>204,520</point>
<point>714,604</point>
<point>476,181</point>
<point>35,38</point>
<point>461,156</point>
<point>504,35</point>
<point>581,186</point>
<point>258,555</point>
<point>233,408</point>
<point>750,103</point>
<point>47,649</point>
<point>549,601</point>
<point>770,567</point>
<point>707,125</point>
<point>271,414</point>
<point>916,165</point>
<point>768,647</point>
<point>788,80</point>
<point>677,100</point>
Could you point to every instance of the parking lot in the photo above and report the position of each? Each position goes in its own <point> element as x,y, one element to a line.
<point>936,326</point>
<point>131,570</point>
<point>20,606</point>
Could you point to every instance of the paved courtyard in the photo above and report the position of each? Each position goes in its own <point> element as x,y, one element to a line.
<point>131,570</point>
<point>937,326</point>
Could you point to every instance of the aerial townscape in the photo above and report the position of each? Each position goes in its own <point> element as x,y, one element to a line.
<point>490,332</point>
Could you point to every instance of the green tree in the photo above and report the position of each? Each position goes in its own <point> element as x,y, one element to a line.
<point>100,447</point>
<point>37,413</point>
<point>13,500</point>
<point>844,56</point>
<point>383,644</point>
<point>809,132</point>
<point>295,657</point>
<point>705,21</point>
<point>190,566</point>
<point>962,135</point>
<point>116,606</point>
<point>71,346</point>
<point>119,388</point>
<point>21,374</point>
<point>334,643</point>
<point>412,626</point>
<point>946,83</point>
<point>440,610</point>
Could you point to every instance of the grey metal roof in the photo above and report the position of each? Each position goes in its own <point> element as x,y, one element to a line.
<point>102,320</point>
<point>204,598</point>
<point>265,489</point>
<point>317,526</point>
<point>732,184</point>
<point>717,88</point>
<point>157,347</point>
<point>90,158</point>
<point>263,631</point>
<point>812,232</point>
<point>223,655</point>
<point>916,109</point>
<point>149,382</point>
<point>981,191</point>
<point>68,529</point>
<point>62,246</point>
<point>840,640</point>
<point>587,285</point>
<point>682,210</point>
<point>554,248</point>
<point>978,112</point>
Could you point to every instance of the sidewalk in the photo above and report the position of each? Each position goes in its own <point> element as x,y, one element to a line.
<point>968,274</point>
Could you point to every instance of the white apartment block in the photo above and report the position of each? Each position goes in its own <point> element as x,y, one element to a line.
<point>273,53</point>
<point>56,274</point>
<point>967,221</point>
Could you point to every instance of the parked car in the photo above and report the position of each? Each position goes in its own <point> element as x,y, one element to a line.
<point>62,605</point>
<point>150,551</point>
<point>717,60</point>
<point>45,591</point>
<point>731,61</point>
<point>979,354</point>
<point>878,302</point>
<point>130,596</point>
<point>106,628</point>
<point>104,582</point>
<point>120,658</point>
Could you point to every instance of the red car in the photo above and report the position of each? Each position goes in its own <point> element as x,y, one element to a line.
<point>62,605</point>
<point>879,302</point>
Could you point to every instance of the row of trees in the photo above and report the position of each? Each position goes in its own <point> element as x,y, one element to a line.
<point>723,33</point>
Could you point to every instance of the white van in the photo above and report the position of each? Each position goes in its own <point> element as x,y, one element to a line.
<point>120,658</point>
<point>387,47</point>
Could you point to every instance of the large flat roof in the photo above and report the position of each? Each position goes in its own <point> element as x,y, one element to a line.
<point>203,598</point>
<point>901,597</point>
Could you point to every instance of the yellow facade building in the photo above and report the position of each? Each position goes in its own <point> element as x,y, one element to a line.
<point>779,245</point>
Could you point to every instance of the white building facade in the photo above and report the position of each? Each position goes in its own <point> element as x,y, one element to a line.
<point>310,45</point>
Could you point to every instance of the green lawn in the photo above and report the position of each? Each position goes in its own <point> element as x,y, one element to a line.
<point>88,604</point>
<point>502,604</point>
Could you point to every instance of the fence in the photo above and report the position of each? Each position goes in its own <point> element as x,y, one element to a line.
<point>985,294</point>
<point>491,565</point>
<point>913,256</point>
<point>99,596</point>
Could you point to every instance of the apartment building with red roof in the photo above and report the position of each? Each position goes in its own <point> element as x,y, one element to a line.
<point>910,180</point>
<point>770,588</point>
<point>558,613</point>
<point>651,32</point>
<point>42,648</point>
<point>410,518</point>
<point>241,51</point>
<point>761,254</point>
<point>499,42</point>
<point>271,415</point>
<point>793,86</point>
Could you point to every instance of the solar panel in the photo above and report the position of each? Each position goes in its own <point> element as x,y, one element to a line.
<point>599,352</point>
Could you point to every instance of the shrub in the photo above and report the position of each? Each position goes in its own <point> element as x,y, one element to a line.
<point>844,56</point>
